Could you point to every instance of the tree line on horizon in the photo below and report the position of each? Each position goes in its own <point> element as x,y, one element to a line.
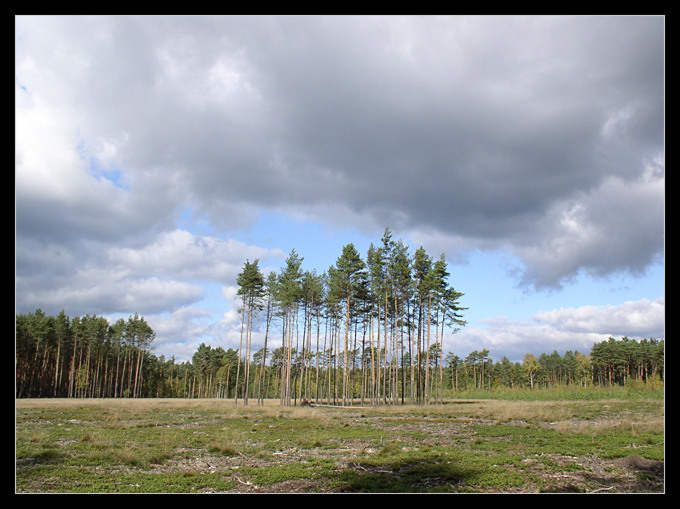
<point>53,360</point>
<point>367,331</point>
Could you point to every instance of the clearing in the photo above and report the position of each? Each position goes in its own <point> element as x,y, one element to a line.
<point>462,446</point>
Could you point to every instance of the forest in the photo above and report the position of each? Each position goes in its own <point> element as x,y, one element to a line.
<point>363,332</point>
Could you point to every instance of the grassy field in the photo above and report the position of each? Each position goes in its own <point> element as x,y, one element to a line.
<point>462,446</point>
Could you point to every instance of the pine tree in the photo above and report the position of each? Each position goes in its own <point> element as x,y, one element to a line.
<point>400,277</point>
<point>270,291</point>
<point>375,263</point>
<point>289,295</point>
<point>386,288</point>
<point>251,290</point>
<point>422,266</point>
<point>348,277</point>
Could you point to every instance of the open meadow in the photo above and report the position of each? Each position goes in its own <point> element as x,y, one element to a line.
<point>461,446</point>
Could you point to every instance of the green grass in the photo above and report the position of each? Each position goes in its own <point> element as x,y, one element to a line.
<point>192,446</point>
<point>632,392</point>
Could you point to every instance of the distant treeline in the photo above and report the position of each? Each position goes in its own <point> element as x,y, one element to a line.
<point>367,329</point>
<point>57,356</point>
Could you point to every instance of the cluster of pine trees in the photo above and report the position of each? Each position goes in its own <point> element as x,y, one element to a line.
<point>364,329</point>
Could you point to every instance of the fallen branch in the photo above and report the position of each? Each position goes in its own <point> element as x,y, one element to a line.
<point>247,483</point>
<point>359,467</point>
<point>603,489</point>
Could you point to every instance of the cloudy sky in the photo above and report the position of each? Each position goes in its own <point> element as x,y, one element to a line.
<point>154,155</point>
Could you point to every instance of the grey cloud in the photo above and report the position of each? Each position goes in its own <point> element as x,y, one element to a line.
<point>95,289</point>
<point>478,128</point>
<point>616,227</point>
<point>160,275</point>
<point>481,145</point>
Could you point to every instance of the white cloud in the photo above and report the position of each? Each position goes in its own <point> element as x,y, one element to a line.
<point>185,325</point>
<point>515,338</point>
<point>181,254</point>
<point>643,318</point>
<point>229,292</point>
<point>575,329</point>
<point>163,275</point>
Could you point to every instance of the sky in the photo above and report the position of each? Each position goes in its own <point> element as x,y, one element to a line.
<point>154,155</point>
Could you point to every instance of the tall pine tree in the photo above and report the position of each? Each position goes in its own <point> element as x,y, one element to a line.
<point>349,276</point>
<point>251,290</point>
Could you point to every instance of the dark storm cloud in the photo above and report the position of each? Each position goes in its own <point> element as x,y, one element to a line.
<point>472,125</point>
<point>491,129</point>
<point>485,127</point>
